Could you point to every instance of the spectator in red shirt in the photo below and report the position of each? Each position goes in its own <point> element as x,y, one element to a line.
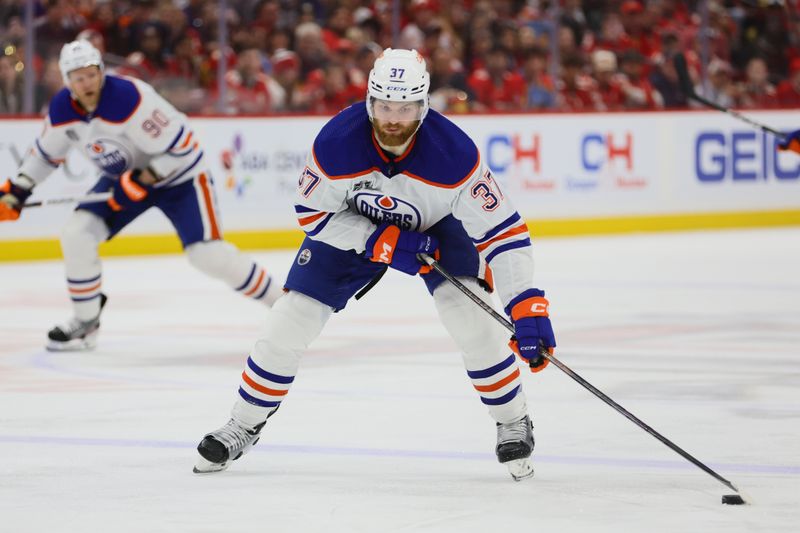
<point>575,88</point>
<point>639,35</point>
<point>336,92</point>
<point>497,87</point>
<point>609,83</point>
<point>639,92</point>
<point>789,89</point>
<point>249,88</point>
<point>149,62</point>
<point>756,91</point>
<point>336,28</point>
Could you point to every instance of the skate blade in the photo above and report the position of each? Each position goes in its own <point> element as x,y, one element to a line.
<point>520,468</point>
<point>75,345</point>
<point>204,466</point>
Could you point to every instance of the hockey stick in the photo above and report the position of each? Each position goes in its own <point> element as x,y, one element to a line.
<point>685,82</point>
<point>89,198</point>
<point>734,499</point>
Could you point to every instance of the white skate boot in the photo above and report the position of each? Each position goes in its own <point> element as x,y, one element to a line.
<point>514,447</point>
<point>228,443</point>
<point>76,335</point>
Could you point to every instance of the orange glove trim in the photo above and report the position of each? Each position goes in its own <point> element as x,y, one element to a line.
<point>793,146</point>
<point>383,250</point>
<point>114,205</point>
<point>132,190</point>
<point>8,213</point>
<point>534,306</point>
<point>514,345</point>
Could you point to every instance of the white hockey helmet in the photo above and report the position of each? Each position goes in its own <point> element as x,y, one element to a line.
<point>78,54</point>
<point>399,76</point>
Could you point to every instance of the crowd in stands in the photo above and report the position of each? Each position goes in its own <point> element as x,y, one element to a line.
<point>294,56</point>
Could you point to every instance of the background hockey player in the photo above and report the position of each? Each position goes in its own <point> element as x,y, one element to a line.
<point>148,156</point>
<point>384,182</point>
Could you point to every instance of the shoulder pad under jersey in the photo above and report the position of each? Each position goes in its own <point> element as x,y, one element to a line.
<point>119,99</point>
<point>446,156</point>
<point>343,145</point>
<point>62,109</point>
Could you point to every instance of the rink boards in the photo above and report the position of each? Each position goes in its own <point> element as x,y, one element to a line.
<point>568,174</point>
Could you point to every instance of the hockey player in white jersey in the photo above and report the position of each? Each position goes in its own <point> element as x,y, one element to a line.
<point>384,182</point>
<point>148,156</point>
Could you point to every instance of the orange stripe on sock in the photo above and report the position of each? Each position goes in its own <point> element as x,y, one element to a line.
<point>257,285</point>
<point>510,233</point>
<point>262,388</point>
<point>212,218</point>
<point>500,384</point>
<point>88,289</point>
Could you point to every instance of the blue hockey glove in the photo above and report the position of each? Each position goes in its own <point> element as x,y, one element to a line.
<point>128,190</point>
<point>12,197</point>
<point>791,142</point>
<point>397,248</point>
<point>533,332</point>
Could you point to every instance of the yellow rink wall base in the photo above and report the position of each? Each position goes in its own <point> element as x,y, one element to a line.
<point>33,249</point>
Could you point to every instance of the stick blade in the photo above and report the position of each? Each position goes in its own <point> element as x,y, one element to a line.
<point>679,60</point>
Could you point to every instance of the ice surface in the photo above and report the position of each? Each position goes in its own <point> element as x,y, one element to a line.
<point>695,333</point>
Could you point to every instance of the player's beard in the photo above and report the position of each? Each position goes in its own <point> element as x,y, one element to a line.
<point>400,132</point>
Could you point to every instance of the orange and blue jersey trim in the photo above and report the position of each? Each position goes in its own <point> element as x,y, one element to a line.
<point>208,203</point>
<point>312,221</point>
<point>504,237</point>
<point>50,160</point>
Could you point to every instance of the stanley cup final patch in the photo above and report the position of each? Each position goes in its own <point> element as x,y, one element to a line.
<point>304,257</point>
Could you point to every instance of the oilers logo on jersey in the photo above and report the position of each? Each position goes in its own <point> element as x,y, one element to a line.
<point>381,208</point>
<point>109,155</point>
<point>304,257</point>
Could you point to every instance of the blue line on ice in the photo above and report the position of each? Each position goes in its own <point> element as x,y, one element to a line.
<point>388,452</point>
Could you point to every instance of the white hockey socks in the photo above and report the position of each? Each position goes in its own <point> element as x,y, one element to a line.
<point>222,260</point>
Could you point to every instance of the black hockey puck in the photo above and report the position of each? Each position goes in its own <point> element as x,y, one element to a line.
<point>732,499</point>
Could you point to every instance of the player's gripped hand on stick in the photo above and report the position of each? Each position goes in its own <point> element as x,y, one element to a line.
<point>12,197</point>
<point>791,143</point>
<point>397,248</point>
<point>132,187</point>
<point>532,328</point>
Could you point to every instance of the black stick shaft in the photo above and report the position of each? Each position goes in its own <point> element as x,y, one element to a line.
<point>685,81</point>
<point>575,376</point>
<point>89,198</point>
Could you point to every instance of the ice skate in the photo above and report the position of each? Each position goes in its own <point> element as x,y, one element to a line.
<point>76,335</point>
<point>514,447</point>
<point>228,443</point>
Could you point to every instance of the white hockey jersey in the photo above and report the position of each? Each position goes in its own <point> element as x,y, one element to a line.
<point>350,185</point>
<point>132,127</point>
